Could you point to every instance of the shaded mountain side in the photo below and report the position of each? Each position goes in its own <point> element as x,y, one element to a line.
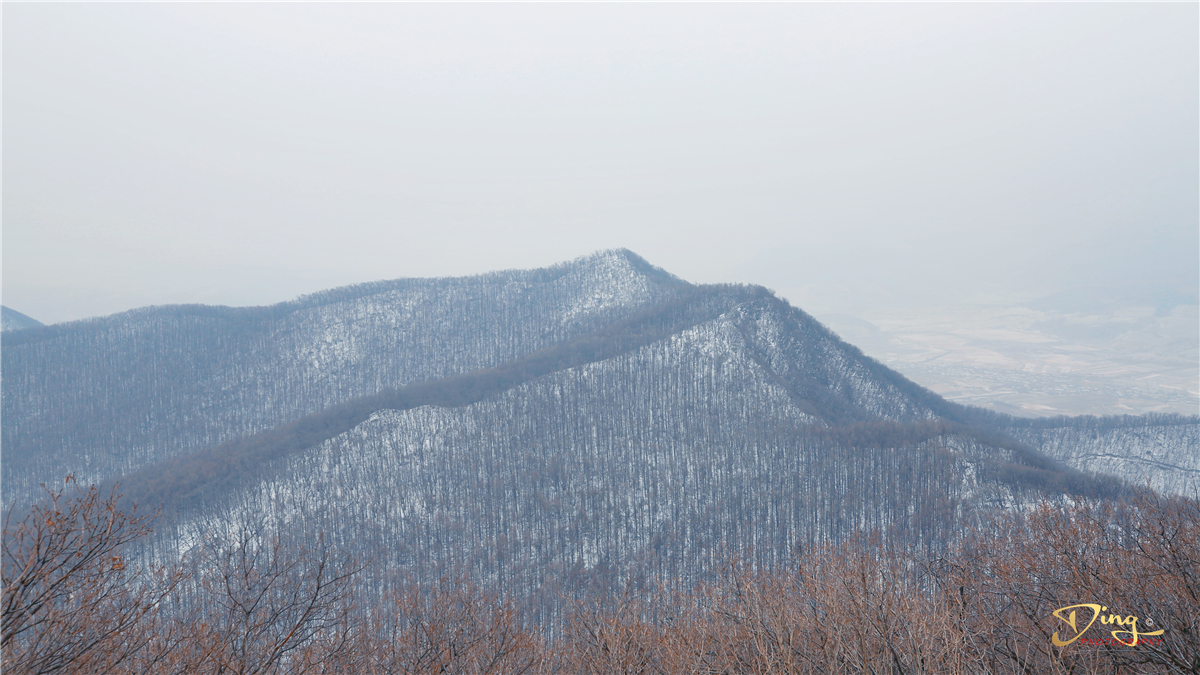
<point>205,476</point>
<point>107,396</point>
<point>157,384</point>
<point>826,376</point>
<point>598,415</point>
<point>820,385</point>
<point>654,461</point>
<point>11,320</point>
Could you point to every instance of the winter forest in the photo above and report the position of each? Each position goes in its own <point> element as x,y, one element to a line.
<point>590,468</point>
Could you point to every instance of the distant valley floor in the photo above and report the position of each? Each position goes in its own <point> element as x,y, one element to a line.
<point>1041,362</point>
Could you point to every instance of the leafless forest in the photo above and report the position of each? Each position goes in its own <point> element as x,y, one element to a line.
<point>590,468</point>
<point>246,603</point>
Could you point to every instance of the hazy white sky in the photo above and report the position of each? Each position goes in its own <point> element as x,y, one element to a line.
<point>844,154</point>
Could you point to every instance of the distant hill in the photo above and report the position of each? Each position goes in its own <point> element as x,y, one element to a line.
<point>591,417</point>
<point>11,319</point>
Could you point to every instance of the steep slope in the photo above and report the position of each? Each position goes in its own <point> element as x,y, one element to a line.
<point>596,416</point>
<point>827,377</point>
<point>655,459</point>
<point>1162,451</point>
<point>11,319</point>
<point>106,396</point>
<point>829,383</point>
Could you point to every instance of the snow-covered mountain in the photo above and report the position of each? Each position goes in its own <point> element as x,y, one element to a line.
<point>11,319</point>
<point>104,397</point>
<point>524,424</point>
<point>1162,451</point>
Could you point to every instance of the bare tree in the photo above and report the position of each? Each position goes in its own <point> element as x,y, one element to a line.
<point>452,627</point>
<point>69,598</point>
<point>265,600</point>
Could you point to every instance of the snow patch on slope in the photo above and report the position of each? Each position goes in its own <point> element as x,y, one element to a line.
<point>1167,457</point>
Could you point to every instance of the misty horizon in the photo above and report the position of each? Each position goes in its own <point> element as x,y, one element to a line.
<point>1127,353</point>
<point>921,177</point>
<point>847,156</point>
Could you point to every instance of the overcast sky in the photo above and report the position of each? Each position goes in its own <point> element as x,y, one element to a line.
<point>848,155</point>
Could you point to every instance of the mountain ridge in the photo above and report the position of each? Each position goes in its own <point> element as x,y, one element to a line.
<point>600,406</point>
<point>468,388</point>
<point>191,360</point>
<point>334,295</point>
<point>12,320</point>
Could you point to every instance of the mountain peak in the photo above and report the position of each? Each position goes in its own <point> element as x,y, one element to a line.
<point>623,258</point>
<point>609,409</point>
